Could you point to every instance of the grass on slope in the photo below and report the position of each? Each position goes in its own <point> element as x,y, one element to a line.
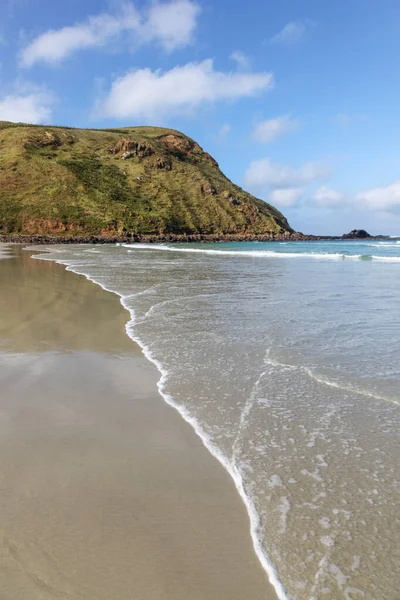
<point>65,181</point>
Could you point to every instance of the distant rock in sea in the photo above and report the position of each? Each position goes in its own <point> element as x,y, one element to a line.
<point>356,234</point>
<point>360,234</point>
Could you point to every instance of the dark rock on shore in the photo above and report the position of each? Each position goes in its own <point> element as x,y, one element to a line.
<point>149,239</point>
<point>169,238</point>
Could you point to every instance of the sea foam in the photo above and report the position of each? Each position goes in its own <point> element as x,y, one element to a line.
<point>261,253</point>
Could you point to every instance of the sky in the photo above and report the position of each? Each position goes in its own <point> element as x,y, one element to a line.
<point>298,100</point>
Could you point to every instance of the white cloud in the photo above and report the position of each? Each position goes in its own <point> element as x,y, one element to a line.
<point>325,197</point>
<point>241,60</point>
<point>263,173</point>
<point>292,33</point>
<point>170,25</point>
<point>269,130</point>
<point>155,95</point>
<point>385,198</point>
<point>55,45</point>
<point>286,196</point>
<point>26,108</point>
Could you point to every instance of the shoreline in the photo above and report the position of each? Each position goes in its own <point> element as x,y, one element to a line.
<point>232,471</point>
<point>213,510</point>
<point>180,238</point>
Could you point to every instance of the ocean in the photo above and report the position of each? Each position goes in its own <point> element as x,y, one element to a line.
<point>285,359</point>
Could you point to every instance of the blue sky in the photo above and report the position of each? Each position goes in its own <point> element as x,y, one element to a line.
<point>298,101</point>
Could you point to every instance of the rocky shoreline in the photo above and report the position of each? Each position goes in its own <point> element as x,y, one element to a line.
<point>178,238</point>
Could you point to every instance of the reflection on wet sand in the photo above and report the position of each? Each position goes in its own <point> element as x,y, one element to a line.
<point>45,307</point>
<point>105,491</point>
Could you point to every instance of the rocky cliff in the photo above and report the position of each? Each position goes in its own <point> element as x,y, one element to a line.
<point>131,181</point>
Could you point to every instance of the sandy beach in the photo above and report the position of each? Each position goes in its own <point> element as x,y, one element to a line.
<point>106,491</point>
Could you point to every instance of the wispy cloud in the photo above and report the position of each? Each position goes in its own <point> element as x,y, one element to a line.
<point>284,185</point>
<point>326,197</point>
<point>286,197</point>
<point>346,119</point>
<point>170,25</point>
<point>264,172</point>
<point>56,45</point>
<point>379,199</point>
<point>242,61</point>
<point>271,129</point>
<point>385,198</point>
<point>223,132</point>
<point>292,33</point>
<point>157,95</point>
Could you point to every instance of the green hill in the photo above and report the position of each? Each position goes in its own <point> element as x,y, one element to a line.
<point>148,180</point>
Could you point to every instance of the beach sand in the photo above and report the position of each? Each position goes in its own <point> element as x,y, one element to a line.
<point>106,493</point>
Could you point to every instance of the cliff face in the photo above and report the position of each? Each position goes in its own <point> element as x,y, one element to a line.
<point>143,180</point>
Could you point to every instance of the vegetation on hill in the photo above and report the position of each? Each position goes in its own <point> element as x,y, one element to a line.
<point>148,180</point>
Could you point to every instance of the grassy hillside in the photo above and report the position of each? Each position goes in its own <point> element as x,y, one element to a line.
<point>62,181</point>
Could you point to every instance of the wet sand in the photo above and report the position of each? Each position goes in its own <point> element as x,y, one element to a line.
<point>105,491</point>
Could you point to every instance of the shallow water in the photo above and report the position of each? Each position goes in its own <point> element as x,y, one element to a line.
<point>285,358</point>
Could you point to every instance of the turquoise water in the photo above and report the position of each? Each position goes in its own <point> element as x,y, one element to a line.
<point>285,359</point>
<point>352,250</point>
